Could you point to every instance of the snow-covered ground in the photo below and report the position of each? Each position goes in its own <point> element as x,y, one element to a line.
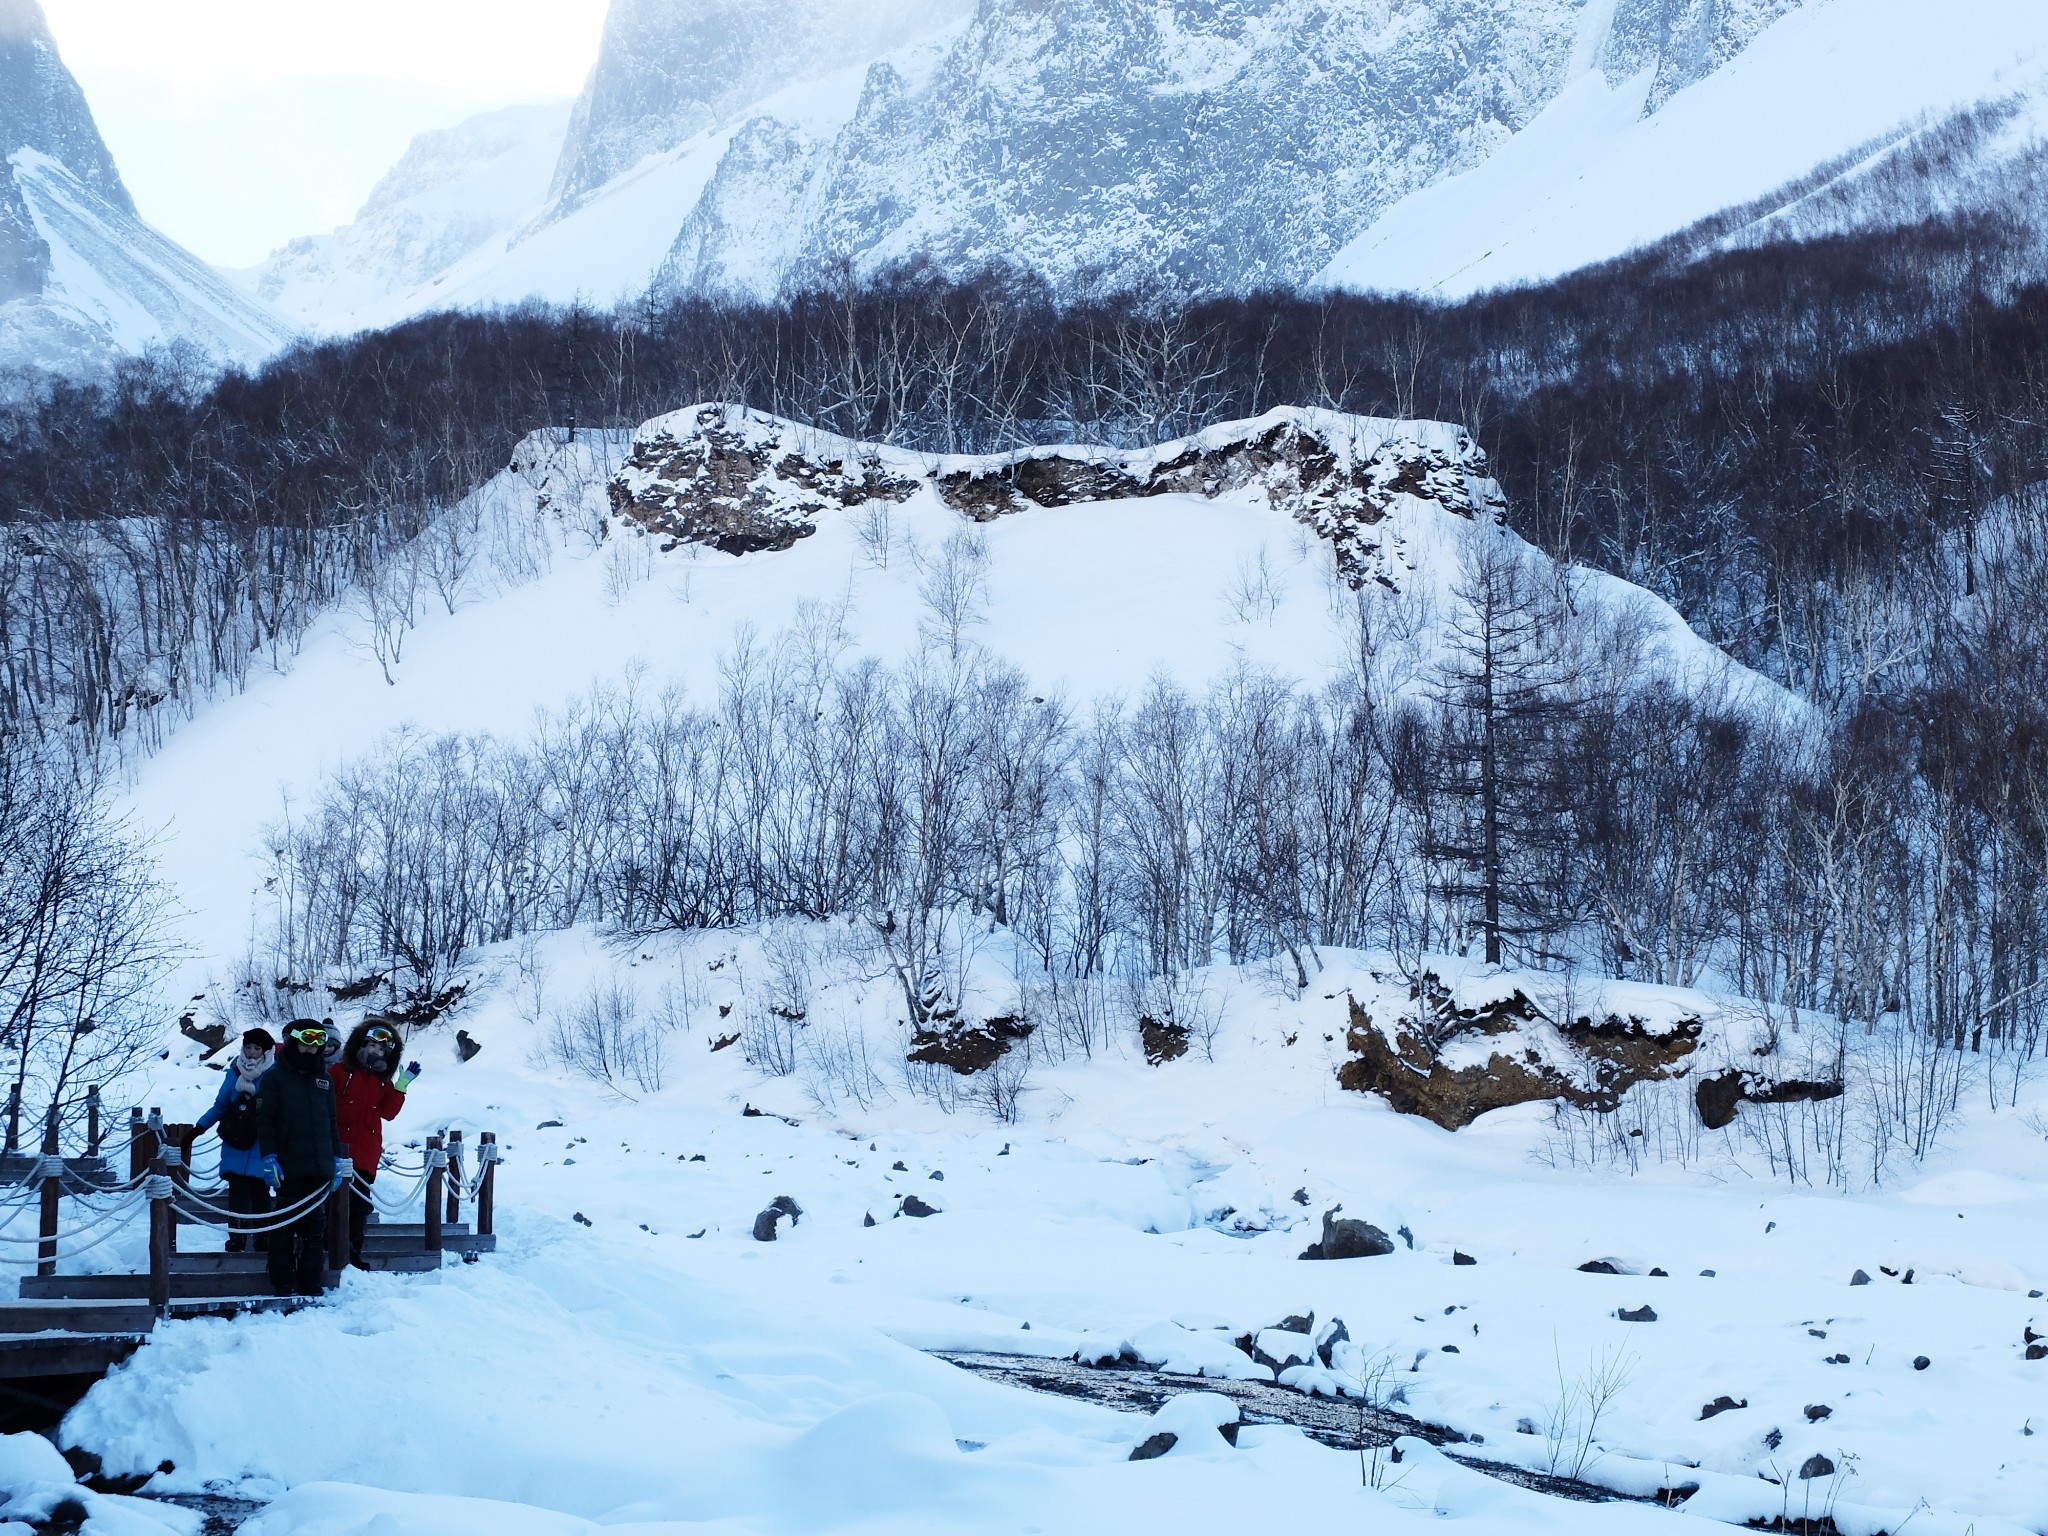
<point>632,1359</point>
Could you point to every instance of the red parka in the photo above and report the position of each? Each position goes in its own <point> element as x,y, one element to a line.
<point>363,1101</point>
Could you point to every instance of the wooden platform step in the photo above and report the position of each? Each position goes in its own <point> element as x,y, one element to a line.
<point>126,1316</point>
<point>192,1282</point>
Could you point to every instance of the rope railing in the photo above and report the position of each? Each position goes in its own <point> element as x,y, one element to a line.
<point>161,1172</point>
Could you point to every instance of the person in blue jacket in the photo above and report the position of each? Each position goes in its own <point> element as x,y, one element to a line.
<point>241,1160</point>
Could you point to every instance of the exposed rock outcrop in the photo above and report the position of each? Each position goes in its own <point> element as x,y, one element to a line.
<point>968,1048</point>
<point>1451,1062</point>
<point>740,481</point>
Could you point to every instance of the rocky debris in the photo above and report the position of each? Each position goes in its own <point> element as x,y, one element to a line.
<point>868,1219</point>
<point>912,1206</point>
<point>724,1042</point>
<point>1815,1412</point>
<point>1814,1466</point>
<point>1162,1042</point>
<point>1349,1239</point>
<point>1642,1314</point>
<point>2037,1351</point>
<point>1598,1267</point>
<point>1921,1362</point>
<point>1720,1405</point>
<point>1719,1097</point>
<point>1603,1057</point>
<point>466,1047</point>
<point>1462,1258</point>
<point>1859,1278</point>
<point>779,1207</point>
<point>968,1048</point>
<point>580,1219</point>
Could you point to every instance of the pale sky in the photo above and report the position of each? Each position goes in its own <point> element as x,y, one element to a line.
<point>239,124</point>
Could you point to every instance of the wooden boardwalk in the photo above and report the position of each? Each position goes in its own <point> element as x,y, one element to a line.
<point>65,1329</point>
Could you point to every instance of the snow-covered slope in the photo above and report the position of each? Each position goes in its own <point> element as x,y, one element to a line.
<point>633,1359</point>
<point>454,190</point>
<point>82,278</point>
<point>1817,125</point>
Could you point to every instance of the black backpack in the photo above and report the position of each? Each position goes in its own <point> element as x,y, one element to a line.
<point>238,1122</point>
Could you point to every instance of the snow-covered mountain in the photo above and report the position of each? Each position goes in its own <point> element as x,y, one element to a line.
<point>1442,145</point>
<point>1213,147</point>
<point>82,278</point>
<point>453,190</point>
<point>1847,114</point>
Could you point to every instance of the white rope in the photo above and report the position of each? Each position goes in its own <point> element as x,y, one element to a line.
<point>301,1206</point>
<point>108,1218</point>
<point>119,1230</point>
<point>291,1216</point>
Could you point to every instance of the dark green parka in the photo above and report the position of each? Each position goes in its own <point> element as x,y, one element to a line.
<point>295,1119</point>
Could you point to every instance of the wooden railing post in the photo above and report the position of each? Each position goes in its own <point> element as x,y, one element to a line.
<point>161,1228</point>
<point>14,1117</point>
<point>454,1177</point>
<point>174,1164</point>
<point>487,1186</point>
<point>138,1149</point>
<point>53,1192</point>
<point>338,1224</point>
<point>437,1172</point>
<point>92,1121</point>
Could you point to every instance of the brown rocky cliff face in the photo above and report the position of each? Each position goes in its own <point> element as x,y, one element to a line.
<point>1408,1070</point>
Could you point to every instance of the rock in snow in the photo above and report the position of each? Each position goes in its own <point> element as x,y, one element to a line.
<point>1349,1239</point>
<point>779,1207</point>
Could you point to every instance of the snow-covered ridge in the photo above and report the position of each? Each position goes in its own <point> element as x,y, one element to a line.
<point>739,480</point>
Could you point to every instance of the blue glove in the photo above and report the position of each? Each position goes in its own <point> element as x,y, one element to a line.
<point>342,1169</point>
<point>405,1076</point>
<point>273,1172</point>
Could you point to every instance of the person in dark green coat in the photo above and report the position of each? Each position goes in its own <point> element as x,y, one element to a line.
<point>300,1140</point>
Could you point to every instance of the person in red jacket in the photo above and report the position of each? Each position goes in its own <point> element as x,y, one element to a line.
<point>369,1088</point>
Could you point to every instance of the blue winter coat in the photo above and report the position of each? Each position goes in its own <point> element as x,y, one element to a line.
<point>232,1159</point>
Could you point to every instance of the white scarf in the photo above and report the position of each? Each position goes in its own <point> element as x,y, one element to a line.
<point>249,1071</point>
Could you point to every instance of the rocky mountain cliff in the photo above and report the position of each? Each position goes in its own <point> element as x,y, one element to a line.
<point>82,278</point>
<point>672,69</point>
<point>1213,146</point>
